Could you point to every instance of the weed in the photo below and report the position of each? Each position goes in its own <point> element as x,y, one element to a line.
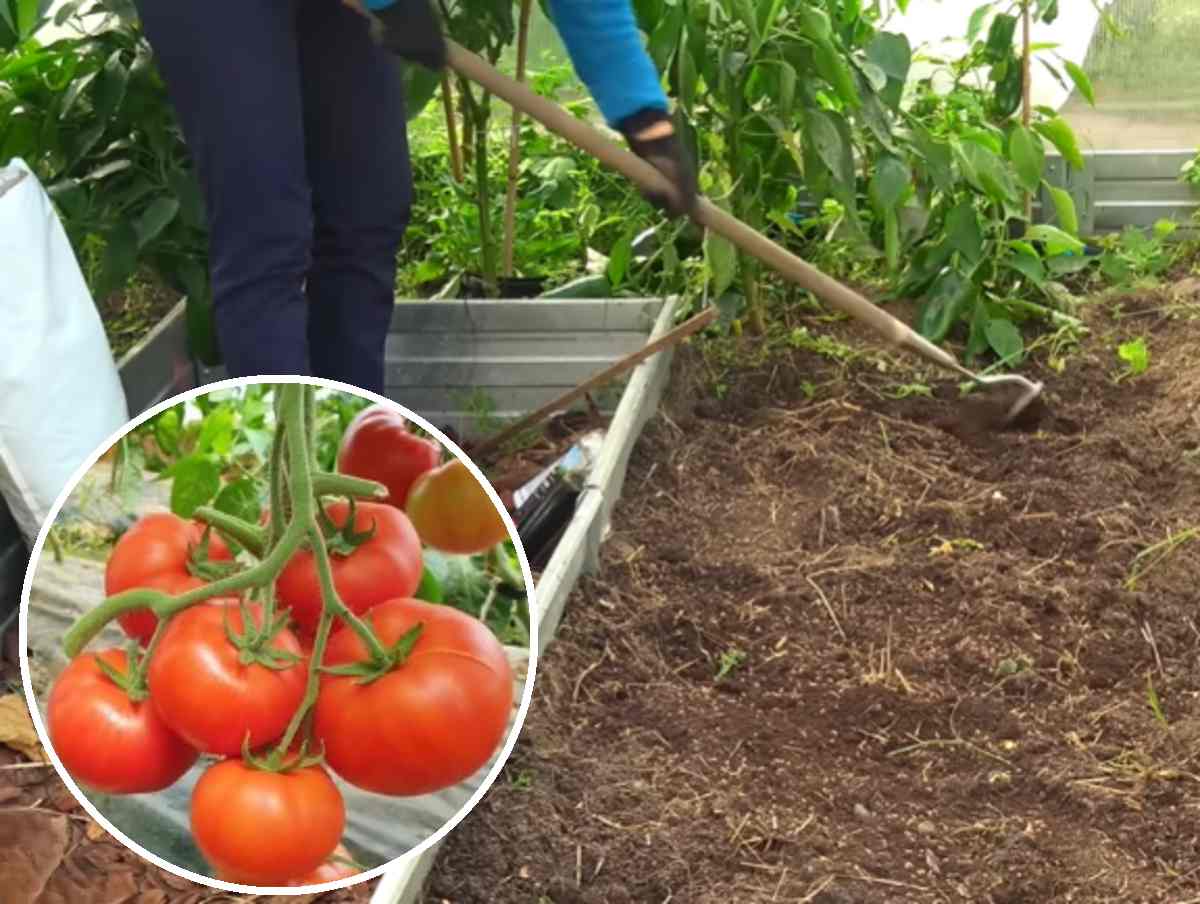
<point>1136,355</point>
<point>908,391</point>
<point>958,544</point>
<point>522,781</point>
<point>1153,556</point>
<point>730,660</point>
<point>1155,704</point>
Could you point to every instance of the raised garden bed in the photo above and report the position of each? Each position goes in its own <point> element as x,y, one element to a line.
<point>578,551</point>
<point>841,651</point>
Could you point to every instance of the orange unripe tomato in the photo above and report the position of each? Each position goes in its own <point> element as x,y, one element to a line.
<point>453,513</point>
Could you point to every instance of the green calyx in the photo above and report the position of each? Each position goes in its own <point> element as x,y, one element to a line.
<point>342,541</point>
<point>377,666</point>
<point>255,642</point>
<point>133,680</point>
<point>282,761</point>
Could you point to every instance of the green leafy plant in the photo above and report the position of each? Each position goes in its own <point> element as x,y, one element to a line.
<point>91,116</point>
<point>745,76</point>
<point>1136,355</point>
<point>1138,253</point>
<point>1190,172</point>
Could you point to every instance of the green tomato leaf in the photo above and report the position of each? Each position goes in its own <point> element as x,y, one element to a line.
<point>196,480</point>
<point>242,499</point>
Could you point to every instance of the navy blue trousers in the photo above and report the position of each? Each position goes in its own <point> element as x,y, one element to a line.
<point>296,124</point>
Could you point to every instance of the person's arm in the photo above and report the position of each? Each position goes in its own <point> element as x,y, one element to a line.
<point>606,49</point>
<point>605,45</point>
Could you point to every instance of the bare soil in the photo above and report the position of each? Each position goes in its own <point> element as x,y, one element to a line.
<point>842,650</point>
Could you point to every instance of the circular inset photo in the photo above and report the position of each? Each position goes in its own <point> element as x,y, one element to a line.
<point>277,635</point>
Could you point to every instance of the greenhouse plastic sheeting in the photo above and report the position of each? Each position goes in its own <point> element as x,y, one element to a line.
<point>378,828</point>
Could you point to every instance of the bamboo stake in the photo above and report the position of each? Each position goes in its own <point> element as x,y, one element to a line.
<point>514,143</point>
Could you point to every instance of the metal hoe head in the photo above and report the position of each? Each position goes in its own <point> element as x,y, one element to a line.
<point>1027,391</point>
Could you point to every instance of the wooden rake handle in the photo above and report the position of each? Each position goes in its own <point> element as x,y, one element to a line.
<point>694,324</point>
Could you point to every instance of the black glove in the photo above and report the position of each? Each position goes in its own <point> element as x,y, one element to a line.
<point>651,135</point>
<point>412,30</point>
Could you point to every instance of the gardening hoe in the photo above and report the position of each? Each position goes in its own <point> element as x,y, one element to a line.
<point>709,216</point>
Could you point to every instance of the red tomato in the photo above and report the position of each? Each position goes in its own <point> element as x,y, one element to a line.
<point>387,566</point>
<point>452,512</point>
<point>330,871</point>
<point>430,722</point>
<point>154,554</point>
<point>378,446</point>
<point>106,740</point>
<point>265,828</point>
<point>210,698</point>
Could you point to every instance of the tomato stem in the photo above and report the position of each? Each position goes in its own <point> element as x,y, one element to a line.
<point>164,605</point>
<point>327,484</point>
<point>248,535</point>
<point>295,408</point>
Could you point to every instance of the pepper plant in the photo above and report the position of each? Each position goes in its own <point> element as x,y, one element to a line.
<point>90,115</point>
<point>775,93</point>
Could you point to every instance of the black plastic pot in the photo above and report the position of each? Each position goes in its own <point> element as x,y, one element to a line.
<point>475,286</point>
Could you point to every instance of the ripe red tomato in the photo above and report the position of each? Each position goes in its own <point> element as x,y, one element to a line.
<point>386,566</point>
<point>429,723</point>
<point>154,554</point>
<point>265,828</point>
<point>378,446</point>
<point>452,512</point>
<point>210,698</point>
<point>332,870</point>
<point>106,740</point>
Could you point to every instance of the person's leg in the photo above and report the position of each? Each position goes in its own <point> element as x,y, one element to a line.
<point>360,174</point>
<point>232,71</point>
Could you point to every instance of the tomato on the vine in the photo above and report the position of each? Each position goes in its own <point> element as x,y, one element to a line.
<point>378,445</point>
<point>452,512</point>
<point>160,552</point>
<point>106,739</point>
<point>209,695</point>
<point>266,828</point>
<point>428,723</point>
<point>386,563</point>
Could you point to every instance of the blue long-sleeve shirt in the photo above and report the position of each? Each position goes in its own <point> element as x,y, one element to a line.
<point>606,48</point>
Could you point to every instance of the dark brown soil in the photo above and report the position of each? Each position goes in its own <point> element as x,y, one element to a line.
<point>130,314</point>
<point>842,651</point>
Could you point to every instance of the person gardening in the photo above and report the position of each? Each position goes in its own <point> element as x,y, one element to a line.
<point>294,115</point>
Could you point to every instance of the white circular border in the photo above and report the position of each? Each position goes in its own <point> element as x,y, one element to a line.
<point>449,825</point>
